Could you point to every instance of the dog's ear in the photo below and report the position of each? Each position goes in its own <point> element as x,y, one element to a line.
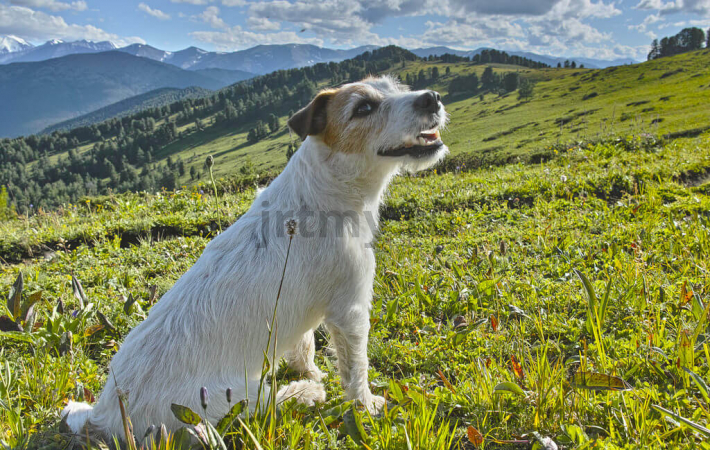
<point>311,120</point>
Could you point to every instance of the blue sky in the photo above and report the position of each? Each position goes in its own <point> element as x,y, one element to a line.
<point>592,28</point>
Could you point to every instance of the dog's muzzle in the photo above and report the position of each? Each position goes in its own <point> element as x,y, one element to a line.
<point>426,143</point>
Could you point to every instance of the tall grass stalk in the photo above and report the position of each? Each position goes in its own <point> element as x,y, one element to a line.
<point>210,163</point>
<point>291,227</point>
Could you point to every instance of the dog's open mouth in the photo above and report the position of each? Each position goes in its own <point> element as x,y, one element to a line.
<point>426,143</point>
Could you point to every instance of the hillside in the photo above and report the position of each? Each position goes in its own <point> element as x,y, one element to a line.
<point>661,97</point>
<point>39,94</point>
<point>667,96</point>
<point>153,99</point>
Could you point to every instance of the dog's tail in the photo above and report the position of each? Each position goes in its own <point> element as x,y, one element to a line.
<point>76,415</point>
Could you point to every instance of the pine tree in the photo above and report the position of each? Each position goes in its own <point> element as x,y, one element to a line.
<point>6,209</point>
<point>525,91</point>
<point>488,79</point>
<point>273,123</point>
<point>511,81</point>
<point>290,150</point>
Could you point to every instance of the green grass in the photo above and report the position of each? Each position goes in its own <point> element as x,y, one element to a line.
<point>499,289</point>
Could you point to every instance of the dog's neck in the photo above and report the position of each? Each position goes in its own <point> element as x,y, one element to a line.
<point>333,181</point>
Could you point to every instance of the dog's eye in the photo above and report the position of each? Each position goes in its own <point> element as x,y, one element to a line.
<point>364,109</point>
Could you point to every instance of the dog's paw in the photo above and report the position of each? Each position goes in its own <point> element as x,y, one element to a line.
<point>306,392</point>
<point>374,404</point>
<point>316,374</point>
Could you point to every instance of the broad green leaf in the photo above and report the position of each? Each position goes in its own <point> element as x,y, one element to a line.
<point>599,382</point>
<point>180,440</point>
<point>591,296</point>
<point>78,291</point>
<point>686,353</point>
<point>702,386</point>
<point>105,322</point>
<point>29,304</point>
<point>16,335</point>
<point>679,418</point>
<point>227,420</point>
<point>15,299</point>
<point>352,425</point>
<point>128,304</point>
<point>185,414</point>
<point>507,386</point>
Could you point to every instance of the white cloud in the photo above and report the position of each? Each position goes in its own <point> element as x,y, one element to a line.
<point>158,14</point>
<point>234,2</point>
<point>52,5</point>
<point>701,7</point>
<point>38,26</point>
<point>262,24</point>
<point>235,38</point>
<point>643,26</point>
<point>192,2</point>
<point>211,17</point>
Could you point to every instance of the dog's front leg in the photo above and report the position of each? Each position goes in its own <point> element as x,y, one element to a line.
<point>349,332</point>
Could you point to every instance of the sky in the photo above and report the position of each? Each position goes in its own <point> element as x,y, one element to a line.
<point>605,29</point>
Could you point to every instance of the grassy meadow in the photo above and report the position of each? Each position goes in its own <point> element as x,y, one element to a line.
<point>517,300</point>
<point>667,95</point>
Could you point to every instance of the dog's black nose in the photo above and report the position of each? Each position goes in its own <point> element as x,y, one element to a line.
<point>428,102</point>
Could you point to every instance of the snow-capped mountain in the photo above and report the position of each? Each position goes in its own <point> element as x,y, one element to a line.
<point>256,60</point>
<point>260,59</point>
<point>184,59</point>
<point>12,44</point>
<point>56,48</point>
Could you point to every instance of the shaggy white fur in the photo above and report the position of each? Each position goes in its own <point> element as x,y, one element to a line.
<point>210,329</point>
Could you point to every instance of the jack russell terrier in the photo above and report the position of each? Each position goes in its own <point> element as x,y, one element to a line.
<point>211,328</point>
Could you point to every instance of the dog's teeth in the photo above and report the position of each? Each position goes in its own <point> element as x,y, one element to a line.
<point>422,141</point>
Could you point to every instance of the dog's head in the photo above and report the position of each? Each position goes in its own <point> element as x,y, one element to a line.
<point>379,118</point>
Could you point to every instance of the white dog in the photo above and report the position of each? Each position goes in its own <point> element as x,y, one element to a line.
<point>211,330</point>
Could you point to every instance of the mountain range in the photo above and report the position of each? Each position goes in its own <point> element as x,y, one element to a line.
<point>38,94</point>
<point>260,59</point>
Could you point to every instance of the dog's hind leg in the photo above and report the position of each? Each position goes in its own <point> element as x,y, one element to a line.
<point>301,358</point>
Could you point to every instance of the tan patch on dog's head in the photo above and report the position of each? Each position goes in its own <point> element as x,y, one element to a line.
<point>332,115</point>
<point>311,120</point>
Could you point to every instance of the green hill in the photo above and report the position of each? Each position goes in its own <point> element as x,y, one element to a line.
<point>153,99</point>
<point>663,96</point>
